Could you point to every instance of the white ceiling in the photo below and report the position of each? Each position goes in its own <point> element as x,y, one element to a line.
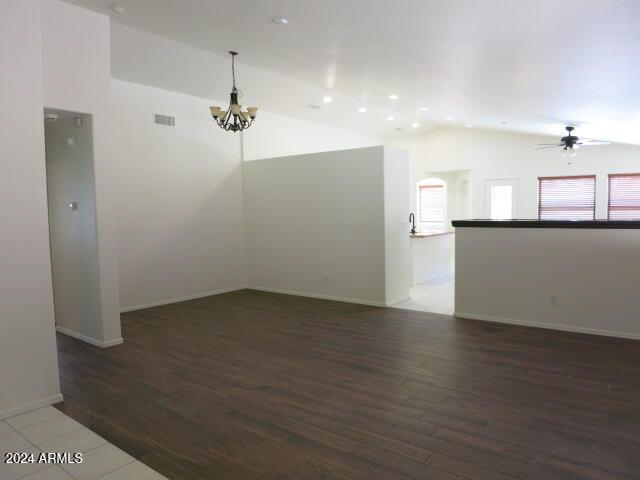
<point>534,64</point>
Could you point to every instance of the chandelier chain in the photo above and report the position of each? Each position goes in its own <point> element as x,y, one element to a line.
<point>233,70</point>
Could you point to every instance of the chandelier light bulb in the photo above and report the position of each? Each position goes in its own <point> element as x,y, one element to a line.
<point>362,109</point>
<point>327,99</point>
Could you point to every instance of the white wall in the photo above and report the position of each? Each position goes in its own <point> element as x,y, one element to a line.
<point>178,198</point>
<point>510,274</point>
<point>28,363</point>
<point>274,135</point>
<point>76,71</point>
<point>315,224</point>
<point>73,238</point>
<point>492,154</point>
<point>396,205</point>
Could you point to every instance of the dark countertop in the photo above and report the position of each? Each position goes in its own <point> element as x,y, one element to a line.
<point>530,223</point>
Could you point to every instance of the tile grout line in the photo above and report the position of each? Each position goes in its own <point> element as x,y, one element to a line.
<point>35,423</point>
<point>124,466</point>
<point>82,427</point>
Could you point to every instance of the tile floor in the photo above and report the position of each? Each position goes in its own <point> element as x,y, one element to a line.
<point>435,296</point>
<point>49,430</point>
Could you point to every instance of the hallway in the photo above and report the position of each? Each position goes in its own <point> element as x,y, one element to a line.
<point>434,296</point>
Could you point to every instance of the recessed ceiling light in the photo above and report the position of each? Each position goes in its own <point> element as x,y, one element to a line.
<point>393,96</point>
<point>118,8</point>
<point>424,109</point>
<point>327,99</point>
<point>415,125</point>
<point>362,109</point>
<point>391,117</point>
<point>449,117</point>
<point>468,125</point>
<point>280,20</point>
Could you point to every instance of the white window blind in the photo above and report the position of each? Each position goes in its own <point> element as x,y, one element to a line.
<point>567,198</point>
<point>624,196</point>
<point>432,203</point>
<point>501,202</point>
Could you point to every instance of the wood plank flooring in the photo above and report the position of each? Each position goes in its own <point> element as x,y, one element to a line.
<point>252,385</point>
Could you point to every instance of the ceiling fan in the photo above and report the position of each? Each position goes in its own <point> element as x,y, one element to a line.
<point>571,142</point>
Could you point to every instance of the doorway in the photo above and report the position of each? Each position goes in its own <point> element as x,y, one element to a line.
<point>72,223</point>
<point>438,197</point>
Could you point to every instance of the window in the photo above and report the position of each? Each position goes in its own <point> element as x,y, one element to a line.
<point>432,198</point>
<point>624,196</point>
<point>501,198</point>
<point>567,198</point>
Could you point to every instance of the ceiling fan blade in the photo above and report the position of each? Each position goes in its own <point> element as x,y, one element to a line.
<point>593,143</point>
<point>548,146</point>
<point>551,144</point>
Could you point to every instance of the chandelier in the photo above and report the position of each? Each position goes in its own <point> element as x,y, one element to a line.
<point>234,119</point>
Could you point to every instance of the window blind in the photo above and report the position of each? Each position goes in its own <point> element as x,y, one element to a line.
<point>624,196</point>
<point>432,200</point>
<point>567,198</point>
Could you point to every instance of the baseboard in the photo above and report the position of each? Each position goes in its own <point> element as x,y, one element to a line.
<point>91,340</point>
<point>549,326</point>
<point>318,295</point>
<point>181,299</point>
<point>31,406</point>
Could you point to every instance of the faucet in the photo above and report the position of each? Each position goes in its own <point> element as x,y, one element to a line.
<point>412,220</point>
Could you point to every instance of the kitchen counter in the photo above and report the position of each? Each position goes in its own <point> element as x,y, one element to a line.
<point>580,276</point>
<point>526,223</point>
<point>432,252</point>
<point>432,233</point>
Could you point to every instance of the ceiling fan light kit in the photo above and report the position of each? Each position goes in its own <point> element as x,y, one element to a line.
<point>234,119</point>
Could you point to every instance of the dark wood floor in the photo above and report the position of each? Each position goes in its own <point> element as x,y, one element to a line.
<point>251,385</point>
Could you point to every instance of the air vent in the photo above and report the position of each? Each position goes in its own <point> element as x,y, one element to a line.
<point>164,120</point>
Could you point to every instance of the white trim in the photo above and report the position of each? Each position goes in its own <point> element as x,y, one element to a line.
<point>181,299</point>
<point>31,406</point>
<point>91,340</point>
<point>318,295</point>
<point>551,326</point>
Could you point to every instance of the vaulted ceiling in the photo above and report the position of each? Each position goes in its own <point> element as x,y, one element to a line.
<point>528,65</point>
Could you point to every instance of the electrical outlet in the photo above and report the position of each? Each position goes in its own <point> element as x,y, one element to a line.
<point>326,277</point>
<point>554,300</point>
<point>189,279</point>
